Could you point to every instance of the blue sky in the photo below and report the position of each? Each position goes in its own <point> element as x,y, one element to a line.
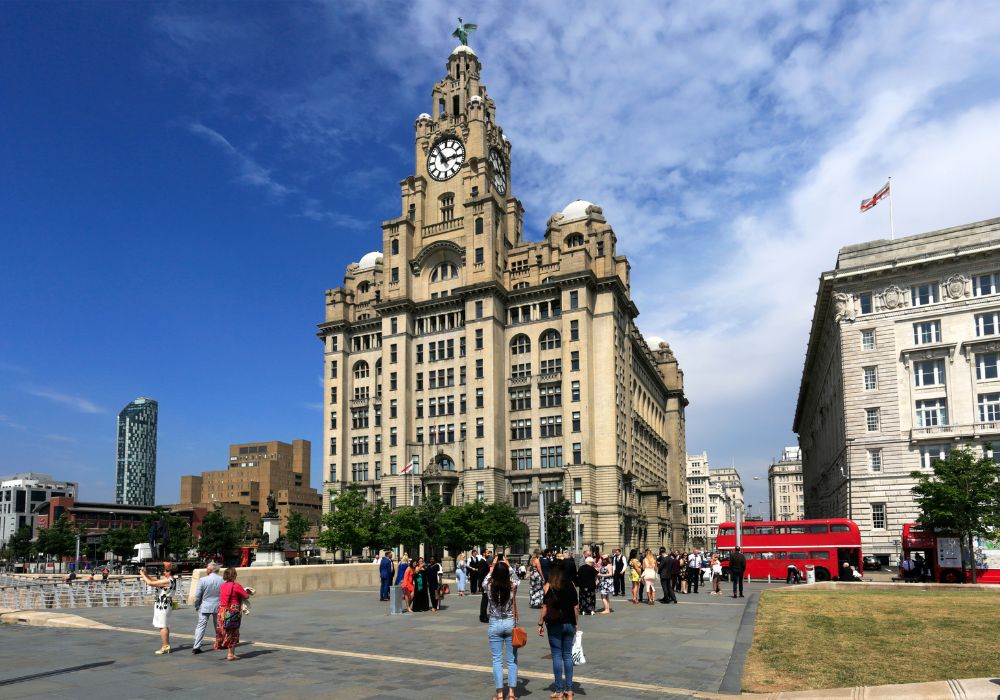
<point>183,181</point>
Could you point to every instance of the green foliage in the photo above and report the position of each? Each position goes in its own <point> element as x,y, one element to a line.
<point>346,525</point>
<point>961,496</point>
<point>296,527</point>
<point>559,524</point>
<point>406,527</point>
<point>430,519</point>
<point>179,538</point>
<point>462,526</point>
<point>59,539</point>
<point>219,534</point>
<point>19,546</point>
<point>121,540</point>
<point>501,526</point>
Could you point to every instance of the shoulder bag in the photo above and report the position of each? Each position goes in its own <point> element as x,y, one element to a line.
<point>518,637</point>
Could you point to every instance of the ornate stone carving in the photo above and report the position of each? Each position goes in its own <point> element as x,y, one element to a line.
<point>418,262</point>
<point>955,287</point>
<point>843,307</point>
<point>893,297</point>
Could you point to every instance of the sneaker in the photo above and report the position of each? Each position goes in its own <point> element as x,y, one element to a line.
<point>197,650</point>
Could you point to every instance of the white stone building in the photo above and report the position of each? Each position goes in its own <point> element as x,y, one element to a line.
<point>784,483</point>
<point>714,495</point>
<point>21,493</point>
<point>903,364</point>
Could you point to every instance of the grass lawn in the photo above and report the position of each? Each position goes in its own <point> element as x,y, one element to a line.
<point>833,639</point>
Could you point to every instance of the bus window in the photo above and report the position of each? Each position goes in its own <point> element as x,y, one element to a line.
<point>727,531</point>
<point>798,555</point>
<point>819,555</point>
<point>766,555</point>
<point>816,529</point>
<point>748,530</point>
<point>765,530</point>
<point>782,555</point>
<point>796,529</point>
<point>750,555</point>
<point>839,528</point>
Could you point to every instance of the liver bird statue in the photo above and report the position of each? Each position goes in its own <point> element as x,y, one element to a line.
<point>462,33</point>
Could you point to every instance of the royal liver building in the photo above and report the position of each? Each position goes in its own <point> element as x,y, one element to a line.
<point>466,361</point>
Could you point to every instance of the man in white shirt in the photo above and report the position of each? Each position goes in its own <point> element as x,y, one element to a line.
<point>694,571</point>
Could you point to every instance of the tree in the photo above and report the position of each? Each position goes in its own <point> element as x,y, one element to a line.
<point>346,525</point>
<point>296,527</point>
<point>462,526</point>
<point>219,534</point>
<point>406,528</point>
<point>178,540</point>
<point>961,496</point>
<point>501,525</point>
<point>59,539</point>
<point>559,524</point>
<point>121,541</point>
<point>377,525</point>
<point>19,544</point>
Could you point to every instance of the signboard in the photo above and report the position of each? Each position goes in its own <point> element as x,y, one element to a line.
<point>987,553</point>
<point>949,553</point>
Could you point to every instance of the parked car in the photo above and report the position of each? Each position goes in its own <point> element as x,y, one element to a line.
<point>872,563</point>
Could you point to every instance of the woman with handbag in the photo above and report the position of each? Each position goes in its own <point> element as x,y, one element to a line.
<point>635,573</point>
<point>166,585</point>
<point>501,609</point>
<point>232,607</point>
<point>560,614</point>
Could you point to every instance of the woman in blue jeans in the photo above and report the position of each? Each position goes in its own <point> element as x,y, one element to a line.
<point>501,594</point>
<point>560,612</point>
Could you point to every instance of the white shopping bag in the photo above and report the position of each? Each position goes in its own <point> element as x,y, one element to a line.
<point>578,657</point>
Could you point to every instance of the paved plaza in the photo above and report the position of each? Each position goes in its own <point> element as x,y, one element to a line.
<point>343,644</point>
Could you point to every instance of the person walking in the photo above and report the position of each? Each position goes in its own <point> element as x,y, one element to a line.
<point>536,580</point>
<point>460,574</point>
<point>716,567</point>
<point>560,617</point>
<point>605,584</point>
<point>618,572</point>
<point>665,568</point>
<point>385,571</point>
<point>166,585</point>
<point>694,571</point>
<point>501,593</point>
<point>737,567</point>
<point>586,580</point>
<point>206,603</point>
<point>545,564</point>
<point>649,576</point>
<point>231,599</point>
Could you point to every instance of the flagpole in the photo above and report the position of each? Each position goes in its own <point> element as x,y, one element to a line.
<point>892,227</point>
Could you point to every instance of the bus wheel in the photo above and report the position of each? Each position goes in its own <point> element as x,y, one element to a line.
<point>950,577</point>
<point>822,574</point>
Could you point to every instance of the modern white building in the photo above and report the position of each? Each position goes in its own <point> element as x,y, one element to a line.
<point>784,482</point>
<point>714,495</point>
<point>135,467</point>
<point>21,493</point>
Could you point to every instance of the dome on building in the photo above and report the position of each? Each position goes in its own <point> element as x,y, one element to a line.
<point>475,99</point>
<point>462,48</point>
<point>576,210</point>
<point>422,116</point>
<point>370,260</point>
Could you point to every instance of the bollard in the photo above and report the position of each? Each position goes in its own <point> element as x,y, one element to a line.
<point>769,578</point>
<point>396,606</point>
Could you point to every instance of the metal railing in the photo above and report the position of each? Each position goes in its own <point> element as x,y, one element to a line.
<point>28,593</point>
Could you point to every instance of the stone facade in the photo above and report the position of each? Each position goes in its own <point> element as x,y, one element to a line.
<point>255,470</point>
<point>784,485</point>
<point>902,365</point>
<point>499,368</point>
<point>714,495</point>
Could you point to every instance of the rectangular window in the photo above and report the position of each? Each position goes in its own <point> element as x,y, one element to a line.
<point>333,420</point>
<point>392,352</point>
<point>865,298</point>
<point>988,323</point>
<point>520,429</point>
<point>875,460</point>
<point>551,426</point>
<point>878,516</point>
<point>577,489</point>
<point>392,465</point>
<point>574,300</point>
<point>550,366</point>
<point>392,497</point>
<point>520,370</point>
<point>392,381</point>
<point>926,332</point>
<point>983,285</point>
<point>574,361</point>
<point>930,453</point>
<point>479,309</point>
<point>479,427</point>
<point>521,494</point>
<point>479,369</point>
<point>479,255</point>
<point>480,490</point>
<point>576,421</point>
<point>550,395</point>
<point>552,457</point>
<point>868,339</point>
<point>479,398</point>
<point>577,453</point>
<point>989,408</point>
<point>520,460</point>
<point>393,327</point>
<point>520,400</point>
<point>574,330</point>
<point>333,445</point>
<point>871,419</point>
<point>420,434</point>
<point>420,408</point>
<point>392,437</point>
<point>924,294</point>
<point>575,391</point>
<point>986,365</point>
<point>479,339</point>
<point>333,369</point>
<point>392,408</point>
<point>932,412</point>
<point>552,491</point>
<point>871,378</point>
<point>461,404</point>
<point>480,458</point>
<point>928,373</point>
<point>420,354</point>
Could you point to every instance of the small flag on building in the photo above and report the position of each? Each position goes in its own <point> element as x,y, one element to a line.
<point>867,204</point>
<point>408,468</point>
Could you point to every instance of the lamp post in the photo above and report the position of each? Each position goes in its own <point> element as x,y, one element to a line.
<point>576,531</point>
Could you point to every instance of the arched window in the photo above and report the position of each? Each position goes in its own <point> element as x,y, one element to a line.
<point>394,247</point>
<point>479,224</point>
<point>378,368</point>
<point>550,340</point>
<point>363,287</point>
<point>522,285</point>
<point>445,464</point>
<point>574,240</point>
<point>444,271</point>
<point>520,344</point>
<point>447,206</point>
<point>361,369</point>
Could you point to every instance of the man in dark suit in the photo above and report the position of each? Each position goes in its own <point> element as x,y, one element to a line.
<point>618,572</point>
<point>665,567</point>
<point>473,571</point>
<point>569,566</point>
<point>737,567</point>
<point>676,569</point>
<point>485,564</point>
<point>545,561</point>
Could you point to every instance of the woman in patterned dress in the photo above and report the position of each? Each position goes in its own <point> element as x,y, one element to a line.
<point>165,587</point>
<point>536,585</point>
<point>606,584</point>
<point>230,618</point>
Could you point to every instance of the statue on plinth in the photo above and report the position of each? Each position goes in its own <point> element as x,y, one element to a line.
<point>272,506</point>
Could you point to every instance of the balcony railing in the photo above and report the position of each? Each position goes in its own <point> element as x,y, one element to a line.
<point>359,403</point>
<point>443,227</point>
<point>956,431</point>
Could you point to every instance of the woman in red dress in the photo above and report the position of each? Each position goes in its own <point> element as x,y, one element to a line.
<point>231,598</point>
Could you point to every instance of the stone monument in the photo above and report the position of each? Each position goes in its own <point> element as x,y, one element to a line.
<point>271,551</point>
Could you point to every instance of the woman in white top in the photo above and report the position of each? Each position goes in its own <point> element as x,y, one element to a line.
<point>165,585</point>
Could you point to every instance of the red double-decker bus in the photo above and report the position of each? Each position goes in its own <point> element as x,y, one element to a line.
<point>770,547</point>
<point>945,559</point>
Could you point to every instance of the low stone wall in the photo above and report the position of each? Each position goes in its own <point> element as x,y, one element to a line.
<point>281,580</point>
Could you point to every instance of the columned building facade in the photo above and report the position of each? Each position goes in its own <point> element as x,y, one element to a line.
<point>466,361</point>
<point>903,365</point>
<point>784,485</point>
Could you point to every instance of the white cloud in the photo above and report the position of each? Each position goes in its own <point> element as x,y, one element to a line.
<point>77,403</point>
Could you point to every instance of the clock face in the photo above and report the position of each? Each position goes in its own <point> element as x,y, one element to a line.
<point>499,171</point>
<point>445,158</point>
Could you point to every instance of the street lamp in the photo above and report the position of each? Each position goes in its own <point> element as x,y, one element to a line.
<point>576,531</point>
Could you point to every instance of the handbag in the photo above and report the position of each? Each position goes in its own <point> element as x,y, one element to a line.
<point>518,637</point>
<point>232,616</point>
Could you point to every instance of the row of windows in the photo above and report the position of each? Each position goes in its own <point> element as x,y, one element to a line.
<point>930,292</point>
<point>931,413</point>
<point>929,332</point>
